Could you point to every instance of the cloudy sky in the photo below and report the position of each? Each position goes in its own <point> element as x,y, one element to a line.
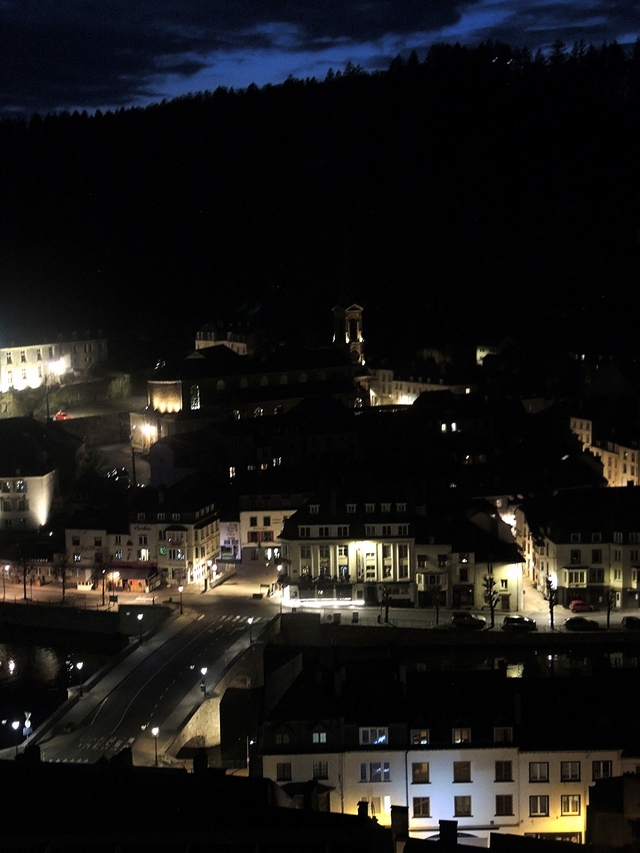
<point>67,54</point>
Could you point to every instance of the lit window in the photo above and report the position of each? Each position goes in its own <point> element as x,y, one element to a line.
<point>319,737</point>
<point>570,804</point>
<point>373,736</point>
<point>461,735</point>
<point>419,736</point>
<point>378,771</point>
<point>420,773</point>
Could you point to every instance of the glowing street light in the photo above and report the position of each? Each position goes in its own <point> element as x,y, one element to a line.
<point>180,590</point>
<point>140,623</point>
<point>250,621</point>
<point>15,725</point>
<point>79,666</point>
<point>203,683</point>
<point>155,731</point>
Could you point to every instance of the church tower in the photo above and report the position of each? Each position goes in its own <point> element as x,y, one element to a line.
<point>347,331</point>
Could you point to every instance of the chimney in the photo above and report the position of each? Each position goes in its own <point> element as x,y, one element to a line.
<point>399,825</point>
<point>363,808</point>
<point>448,834</point>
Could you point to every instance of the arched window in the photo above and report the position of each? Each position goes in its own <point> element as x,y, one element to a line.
<point>258,412</point>
<point>220,386</point>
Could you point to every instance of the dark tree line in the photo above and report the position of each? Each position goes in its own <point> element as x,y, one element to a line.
<point>480,192</point>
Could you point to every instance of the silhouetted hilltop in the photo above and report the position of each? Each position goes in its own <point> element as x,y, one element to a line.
<point>479,193</point>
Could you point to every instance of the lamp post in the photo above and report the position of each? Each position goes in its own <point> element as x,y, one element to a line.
<point>79,666</point>
<point>140,623</point>
<point>180,589</point>
<point>250,621</point>
<point>155,731</point>
<point>15,725</point>
<point>203,683</point>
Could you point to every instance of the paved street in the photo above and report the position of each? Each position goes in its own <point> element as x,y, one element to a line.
<point>158,682</point>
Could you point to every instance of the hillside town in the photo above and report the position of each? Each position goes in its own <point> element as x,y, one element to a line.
<point>460,487</point>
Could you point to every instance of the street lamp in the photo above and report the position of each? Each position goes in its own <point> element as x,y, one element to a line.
<point>155,731</point>
<point>140,621</point>
<point>250,621</point>
<point>79,666</point>
<point>180,589</point>
<point>203,683</point>
<point>15,725</point>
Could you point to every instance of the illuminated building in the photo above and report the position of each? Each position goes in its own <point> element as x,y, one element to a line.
<point>33,365</point>
<point>365,546</point>
<point>35,460</point>
<point>586,541</point>
<point>620,459</point>
<point>216,383</point>
<point>386,389</point>
<point>476,747</point>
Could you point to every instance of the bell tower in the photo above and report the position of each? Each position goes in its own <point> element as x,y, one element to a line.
<point>347,331</point>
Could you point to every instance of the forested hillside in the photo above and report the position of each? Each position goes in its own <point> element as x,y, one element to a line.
<point>479,193</point>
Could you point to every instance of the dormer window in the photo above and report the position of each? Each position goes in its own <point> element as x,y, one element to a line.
<point>596,537</point>
<point>369,507</point>
<point>461,736</point>
<point>374,736</point>
<point>319,737</point>
<point>401,507</point>
<point>314,509</point>
<point>502,734</point>
<point>385,507</point>
<point>575,537</point>
<point>419,737</point>
<point>351,508</point>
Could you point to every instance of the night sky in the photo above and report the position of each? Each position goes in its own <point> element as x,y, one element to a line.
<point>89,54</point>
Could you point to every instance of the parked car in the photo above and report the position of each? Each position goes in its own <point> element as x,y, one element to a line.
<point>518,623</point>
<point>580,623</point>
<point>631,623</point>
<point>464,619</point>
<point>580,606</point>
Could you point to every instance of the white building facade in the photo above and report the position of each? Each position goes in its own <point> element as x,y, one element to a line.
<point>541,794</point>
<point>32,366</point>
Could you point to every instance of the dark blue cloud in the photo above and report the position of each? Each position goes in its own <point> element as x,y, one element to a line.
<point>110,53</point>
